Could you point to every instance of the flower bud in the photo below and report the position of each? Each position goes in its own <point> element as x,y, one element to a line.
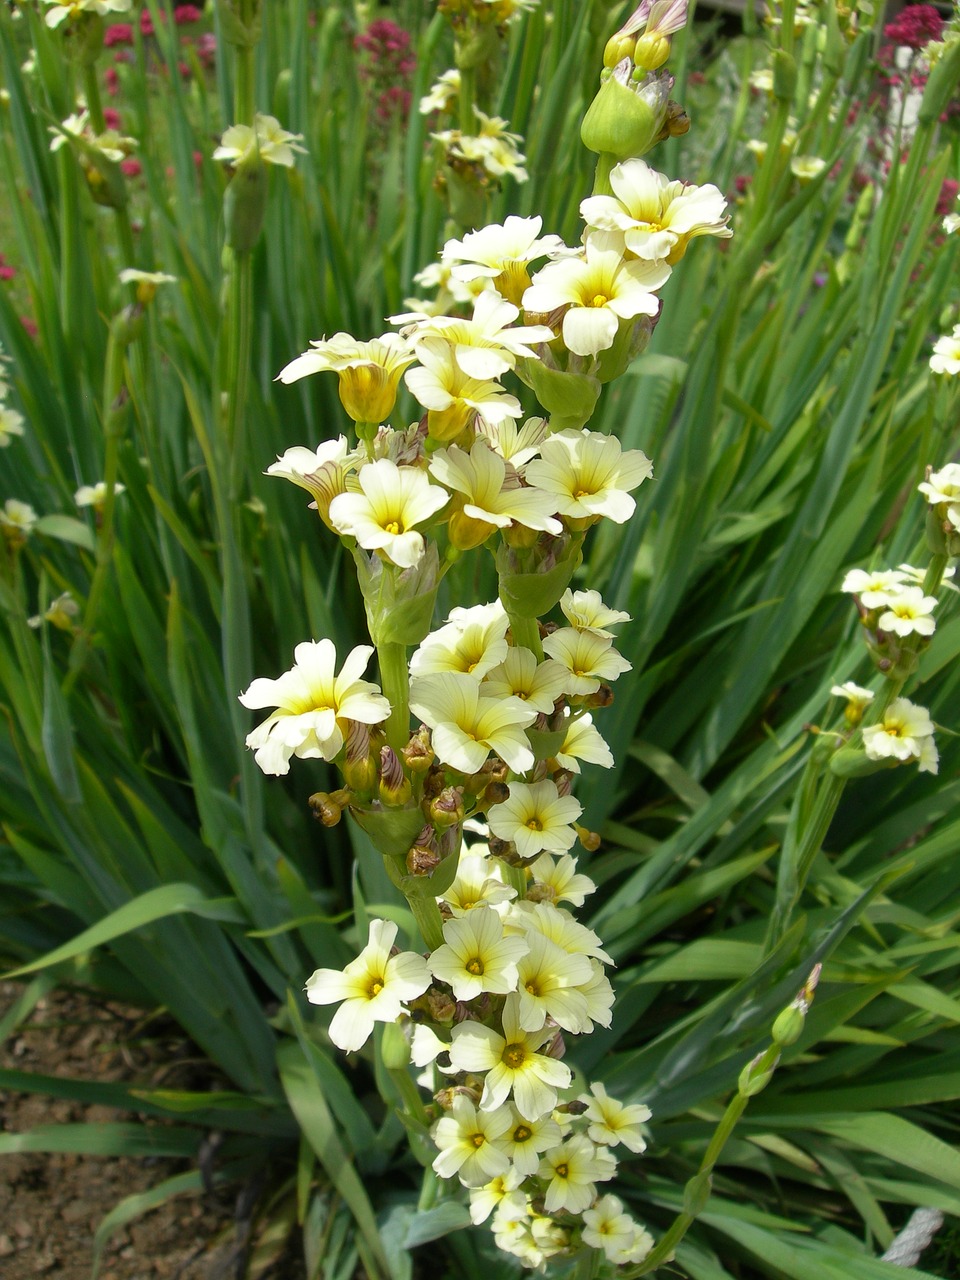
<point>395,789</point>
<point>361,770</point>
<point>245,202</point>
<point>651,51</point>
<point>852,762</point>
<point>418,754</point>
<point>328,808</point>
<point>394,1048</point>
<point>758,1073</point>
<point>441,1004</point>
<point>788,1026</point>
<point>422,860</point>
<point>625,119</point>
<point>589,839</point>
<point>446,809</point>
<point>617,48</point>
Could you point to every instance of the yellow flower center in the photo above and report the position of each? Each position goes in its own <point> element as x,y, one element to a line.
<point>513,1056</point>
<point>474,966</point>
<point>392,527</point>
<point>477,1139</point>
<point>375,987</point>
<point>599,300</point>
<point>562,1170</point>
<point>532,988</point>
<point>522,1134</point>
<point>533,824</point>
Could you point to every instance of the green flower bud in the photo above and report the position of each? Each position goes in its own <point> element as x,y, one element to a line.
<point>245,202</point>
<point>394,1047</point>
<point>788,1026</point>
<point>757,1074</point>
<point>784,76</point>
<point>626,120</point>
<point>569,398</point>
<point>696,1193</point>
<point>941,84</point>
<point>852,762</point>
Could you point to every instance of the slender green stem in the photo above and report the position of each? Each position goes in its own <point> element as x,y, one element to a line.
<point>114,407</point>
<point>468,94</point>
<point>515,877</point>
<point>409,1095</point>
<point>238,367</point>
<point>91,90</point>
<point>601,178</point>
<point>697,1188</point>
<point>395,681</point>
<point>526,632</point>
<point>429,920</point>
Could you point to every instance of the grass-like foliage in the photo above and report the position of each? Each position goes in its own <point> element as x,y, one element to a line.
<point>788,404</point>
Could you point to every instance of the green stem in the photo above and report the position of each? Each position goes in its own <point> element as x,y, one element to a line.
<point>526,632</point>
<point>697,1189</point>
<point>515,877</point>
<point>429,920</point>
<point>395,682</point>
<point>114,402</point>
<point>601,178</point>
<point>238,366</point>
<point>409,1095</point>
<point>91,90</point>
<point>468,94</point>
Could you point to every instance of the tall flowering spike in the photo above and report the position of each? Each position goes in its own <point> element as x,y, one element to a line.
<point>313,705</point>
<point>372,988</point>
<point>369,372</point>
<point>383,516</point>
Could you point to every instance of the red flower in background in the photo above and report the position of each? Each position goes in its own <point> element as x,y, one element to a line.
<point>186,13</point>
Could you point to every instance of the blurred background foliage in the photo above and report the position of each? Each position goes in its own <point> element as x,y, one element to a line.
<point>788,407</point>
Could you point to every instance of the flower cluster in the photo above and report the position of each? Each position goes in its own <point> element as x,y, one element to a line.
<point>896,608</point>
<point>387,64</point>
<point>486,1014</point>
<point>483,722</point>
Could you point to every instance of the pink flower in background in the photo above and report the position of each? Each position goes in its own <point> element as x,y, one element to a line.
<point>207,49</point>
<point>111,117</point>
<point>6,271</point>
<point>112,81</point>
<point>186,13</point>
<point>118,33</point>
<point>131,167</point>
<point>387,64</point>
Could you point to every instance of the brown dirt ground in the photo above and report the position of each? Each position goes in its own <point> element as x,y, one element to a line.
<point>50,1205</point>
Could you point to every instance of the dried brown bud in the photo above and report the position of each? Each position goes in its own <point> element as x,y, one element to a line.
<point>418,754</point>
<point>441,1004</point>
<point>589,839</point>
<point>328,808</point>
<point>422,860</point>
<point>446,809</point>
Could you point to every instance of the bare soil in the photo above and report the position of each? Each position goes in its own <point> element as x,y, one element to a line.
<point>51,1205</point>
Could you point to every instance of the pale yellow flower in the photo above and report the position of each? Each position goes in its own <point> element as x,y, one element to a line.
<point>383,516</point>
